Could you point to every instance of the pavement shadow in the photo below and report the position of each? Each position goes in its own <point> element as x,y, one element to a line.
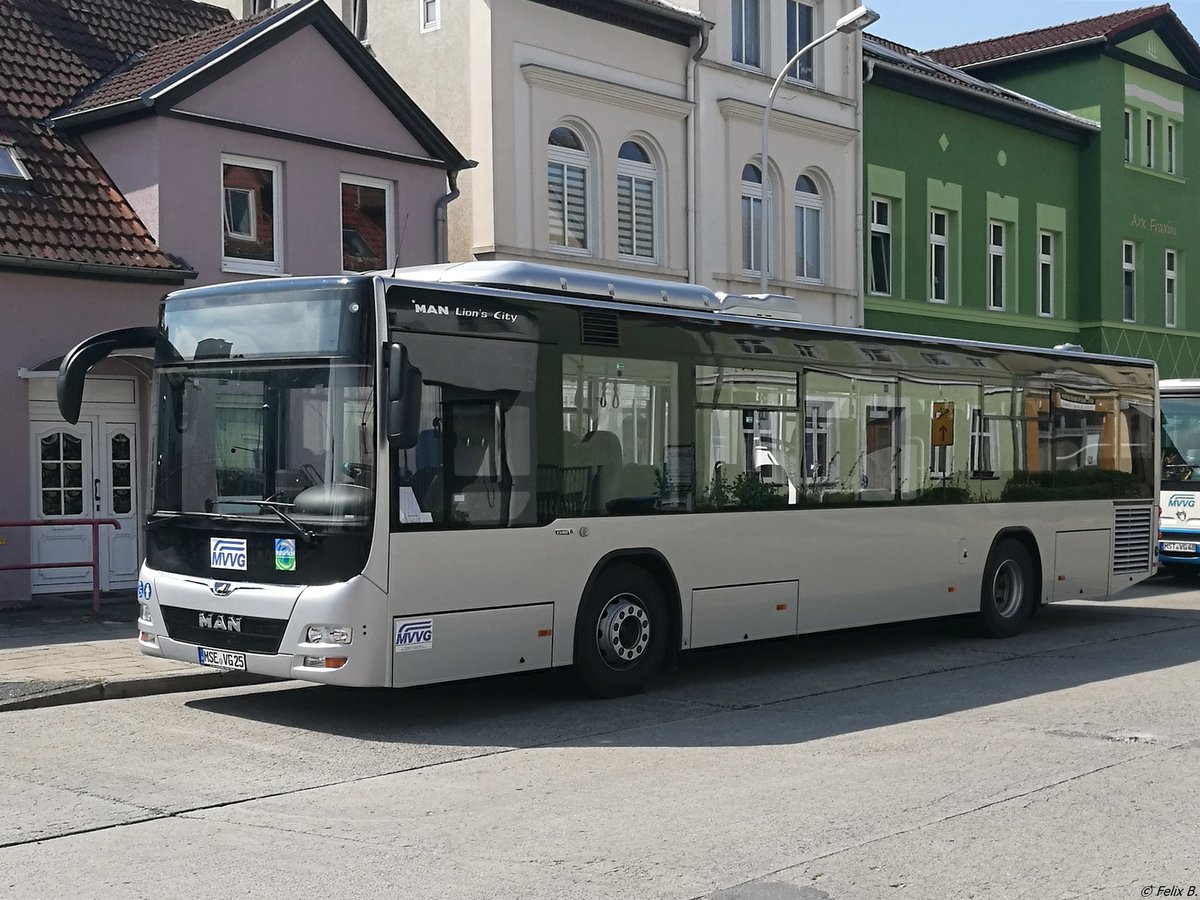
<point>798,689</point>
<point>68,620</point>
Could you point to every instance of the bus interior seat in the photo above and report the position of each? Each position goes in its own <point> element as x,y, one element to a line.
<point>601,451</point>
<point>634,489</point>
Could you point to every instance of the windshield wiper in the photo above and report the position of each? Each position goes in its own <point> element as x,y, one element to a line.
<point>307,536</point>
<point>167,516</point>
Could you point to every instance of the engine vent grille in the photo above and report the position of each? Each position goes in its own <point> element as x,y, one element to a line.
<point>1131,540</point>
<point>602,328</point>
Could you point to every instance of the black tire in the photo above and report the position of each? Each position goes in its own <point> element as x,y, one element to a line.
<point>1009,592</point>
<point>1182,573</point>
<point>621,632</point>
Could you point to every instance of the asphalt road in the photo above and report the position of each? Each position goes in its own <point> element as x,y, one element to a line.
<point>908,761</point>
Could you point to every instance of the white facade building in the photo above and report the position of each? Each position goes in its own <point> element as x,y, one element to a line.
<point>625,135</point>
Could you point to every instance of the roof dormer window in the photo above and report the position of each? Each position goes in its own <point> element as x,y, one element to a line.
<point>11,167</point>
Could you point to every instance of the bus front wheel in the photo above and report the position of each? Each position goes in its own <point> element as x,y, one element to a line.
<point>621,632</point>
<point>1009,593</point>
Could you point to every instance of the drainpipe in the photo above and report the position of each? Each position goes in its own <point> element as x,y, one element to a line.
<point>691,78</point>
<point>441,229</point>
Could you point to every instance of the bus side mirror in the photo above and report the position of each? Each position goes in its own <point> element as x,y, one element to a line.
<point>403,398</point>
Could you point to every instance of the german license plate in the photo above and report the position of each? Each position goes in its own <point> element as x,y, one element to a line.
<point>1178,547</point>
<point>222,659</point>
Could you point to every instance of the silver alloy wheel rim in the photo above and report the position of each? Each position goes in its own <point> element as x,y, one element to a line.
<point>623,632</point>
<point>1008,588</point>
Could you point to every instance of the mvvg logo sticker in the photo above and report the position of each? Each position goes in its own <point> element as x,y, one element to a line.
<point>1182,501</point>
<point>414,634</point>
<point>227,553</point>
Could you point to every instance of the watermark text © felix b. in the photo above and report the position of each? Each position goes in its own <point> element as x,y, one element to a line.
<point>1171,890</point>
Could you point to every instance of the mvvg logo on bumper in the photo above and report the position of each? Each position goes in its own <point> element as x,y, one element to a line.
<point>227,553</point>
<point>414,634</point>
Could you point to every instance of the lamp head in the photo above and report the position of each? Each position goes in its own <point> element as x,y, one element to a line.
<point>856,20</point>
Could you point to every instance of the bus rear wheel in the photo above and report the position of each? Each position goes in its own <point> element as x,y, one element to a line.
<point>1009,593</point>
<point>621,632</point>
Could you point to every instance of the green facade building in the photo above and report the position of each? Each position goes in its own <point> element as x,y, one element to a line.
<point>1039,188</point>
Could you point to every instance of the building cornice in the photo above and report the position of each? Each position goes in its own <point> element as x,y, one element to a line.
<point>657,20</point>
<point>785,122</point>
<point>605,92</point>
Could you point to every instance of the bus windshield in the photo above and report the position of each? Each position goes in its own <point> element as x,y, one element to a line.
<point>1180,439</point>
<point>266,403</point>
<point>249,440</point>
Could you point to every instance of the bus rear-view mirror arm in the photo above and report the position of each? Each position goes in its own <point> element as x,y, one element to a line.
<point>83,356</point>
<point>403,398</point>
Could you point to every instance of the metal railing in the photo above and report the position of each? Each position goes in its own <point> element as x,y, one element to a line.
<point>95,561</point>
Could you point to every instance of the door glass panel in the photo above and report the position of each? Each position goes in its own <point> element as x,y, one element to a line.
<point>61,471</point>
<point>121,502</point>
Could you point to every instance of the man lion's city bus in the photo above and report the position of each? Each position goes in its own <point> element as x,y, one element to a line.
<point>465,470</point>
<point>1179,514</point>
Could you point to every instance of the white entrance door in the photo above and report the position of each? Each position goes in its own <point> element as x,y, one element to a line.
<point>88,470</point>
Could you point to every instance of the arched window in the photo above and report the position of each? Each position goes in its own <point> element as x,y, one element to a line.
<point>636,202</point>
<point>567,168</point>
<point>809,205</point>
<point>752,230</point>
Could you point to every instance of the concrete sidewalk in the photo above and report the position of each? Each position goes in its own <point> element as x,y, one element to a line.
<point>55,650</point>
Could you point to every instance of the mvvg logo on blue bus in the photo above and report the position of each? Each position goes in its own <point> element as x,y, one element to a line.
<point>227,553</point>
<point>414,634</point>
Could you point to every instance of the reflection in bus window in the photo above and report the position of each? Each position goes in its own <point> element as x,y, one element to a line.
<point>747,437</point>
<point>621,453</point>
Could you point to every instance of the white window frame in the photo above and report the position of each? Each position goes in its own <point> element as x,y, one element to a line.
<point>431,15</point>
<point>389,191</point>
<point>739,10</point>
<point>1128,135</point>
<point>564,158</point>
<point>633,173</point>
<point>754,194</point>
<point>1046,273</point>
<point>939,245</point>
<point>984,447</point>
<point>251,266</point>
<point>884,230</point>
<point>1128,275</point>
<point>794,44</point>
<point>819,420</point>
<point>252,234</point>
<point>1171,287</point>
<point>997,262</point>
<point>1171,145</point>
<point>10,156</point>
<point>805,203</point>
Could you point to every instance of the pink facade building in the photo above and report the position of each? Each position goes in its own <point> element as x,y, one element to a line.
<point>146,145</point>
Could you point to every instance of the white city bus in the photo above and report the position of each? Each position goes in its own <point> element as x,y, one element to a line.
<point>1179,512</point>
<point>465,470</point>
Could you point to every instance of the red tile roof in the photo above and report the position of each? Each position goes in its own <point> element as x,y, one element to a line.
<point>69,213</point>
<point>1056,36</point>
<point>149,68</point>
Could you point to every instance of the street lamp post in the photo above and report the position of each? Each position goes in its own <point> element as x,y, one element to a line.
<point>855,20</point>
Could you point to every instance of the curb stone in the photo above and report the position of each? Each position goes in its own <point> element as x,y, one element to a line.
<point>125,688</point>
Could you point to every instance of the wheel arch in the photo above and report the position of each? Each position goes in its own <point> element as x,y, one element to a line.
<point>1026,538</point>
<point>656,565</point>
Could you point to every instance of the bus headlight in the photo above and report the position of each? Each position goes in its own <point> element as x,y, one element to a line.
<point>144,613</point>
<point>328,634</point>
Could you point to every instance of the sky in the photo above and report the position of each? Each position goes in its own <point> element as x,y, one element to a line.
<point>928,24</point>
